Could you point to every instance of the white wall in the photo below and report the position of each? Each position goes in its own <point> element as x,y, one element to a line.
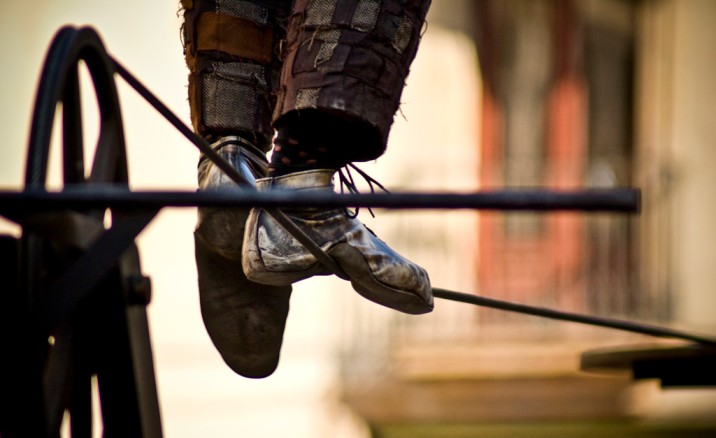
<point>693,141</point>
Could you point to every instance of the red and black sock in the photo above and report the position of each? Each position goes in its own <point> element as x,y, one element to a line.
<point>297,149</point>
<point>315,139</point>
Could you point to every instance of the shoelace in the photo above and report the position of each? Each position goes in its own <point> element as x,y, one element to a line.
<point>347,183</point>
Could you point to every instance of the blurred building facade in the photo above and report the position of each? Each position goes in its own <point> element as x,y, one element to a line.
<point>622,94</point>
<point>563,94</point>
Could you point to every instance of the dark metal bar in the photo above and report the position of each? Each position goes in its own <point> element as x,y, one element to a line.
<point>175,121</point>
<point>624,200</point>
<point>612,323</point>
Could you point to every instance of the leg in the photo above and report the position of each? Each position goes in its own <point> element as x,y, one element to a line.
<point>340,85</point>
<point>230,49</point>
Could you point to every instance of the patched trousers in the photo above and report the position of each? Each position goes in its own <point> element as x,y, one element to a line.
<point>255,64</point>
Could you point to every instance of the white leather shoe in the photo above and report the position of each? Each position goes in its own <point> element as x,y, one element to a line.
<point>272,256</point>
<point>245,320</point>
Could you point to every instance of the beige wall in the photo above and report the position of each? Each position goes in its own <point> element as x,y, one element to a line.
<point>676,132</point>
<point>694,143</point>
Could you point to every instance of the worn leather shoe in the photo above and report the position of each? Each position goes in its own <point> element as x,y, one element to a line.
<point>245,320</point>
<point>273,257</point>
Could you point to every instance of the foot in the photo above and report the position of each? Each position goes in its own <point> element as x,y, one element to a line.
<point>245,320</point>
<point>273,257</point>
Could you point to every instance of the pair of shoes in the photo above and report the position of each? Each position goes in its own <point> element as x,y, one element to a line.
<point>244,320</point>
<point>247,262</point>
<point>273,257</point>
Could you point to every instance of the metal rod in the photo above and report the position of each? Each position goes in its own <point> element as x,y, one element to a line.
<point>625,200</point>
<point>612,323</point>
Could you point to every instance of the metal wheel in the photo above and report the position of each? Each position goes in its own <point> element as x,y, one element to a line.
<point>79,299</point>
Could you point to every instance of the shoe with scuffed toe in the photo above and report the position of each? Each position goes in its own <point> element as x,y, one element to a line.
<point>273,257</point>
<point>245,320</point>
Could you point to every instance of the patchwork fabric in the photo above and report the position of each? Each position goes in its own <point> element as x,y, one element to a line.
<point>350,58</point>
<point>256,63</point>
<point>234,96</point>
<point>232,51</point>
<point>243,9</point>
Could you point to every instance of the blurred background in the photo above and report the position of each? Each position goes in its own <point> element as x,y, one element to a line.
<point>519,93</point>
